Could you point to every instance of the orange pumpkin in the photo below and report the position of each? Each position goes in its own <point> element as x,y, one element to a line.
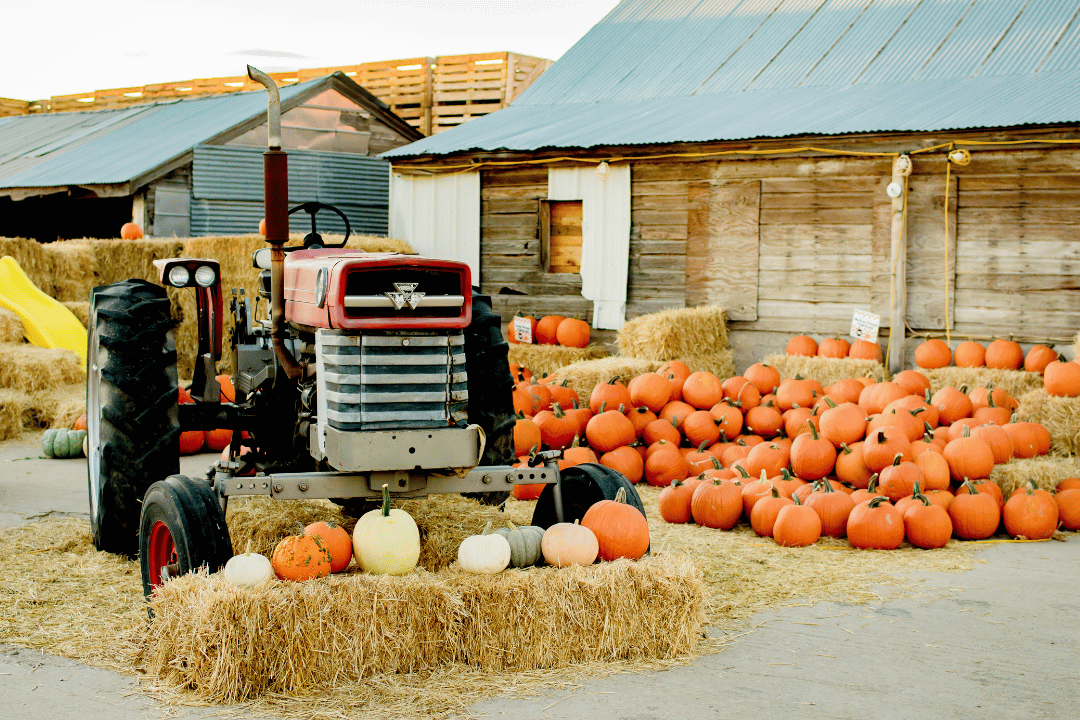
<point>337,541</point>
<point>865,350</point>
<point>702,390</point>
<point>763,516</point>
<point>674,500</point>
<point>932,354</point>
<point>573,332</point>
<point>802,345</point>
<point>717,504</point>
<point>301,557</point>
<point>1032,514</point>
<point>612,394</point>
<point>796,525</point>
<point>875,525</point>
<point>1062,378</point>
<point>546,328</point>
<point>765,377</point>
<point>1038,357</point>
<point>969,354</point>
<point>834,347</point>
<point>1004,354</point>
<point>650,390</point>
<point>625,460</point>
<point>621,530</point>
<point>1068,502</point>
<point>130,231</point>
<point>975,515</point>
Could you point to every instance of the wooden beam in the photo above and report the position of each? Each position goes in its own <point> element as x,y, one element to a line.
<point>898,258</point>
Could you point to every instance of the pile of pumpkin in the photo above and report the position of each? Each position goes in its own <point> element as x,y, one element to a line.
<point>550,330</point>
<point>834,347</point>
<point>193,441</point>
<point>721,446</point>
<point>386,541</point>
<point>1061,377</point>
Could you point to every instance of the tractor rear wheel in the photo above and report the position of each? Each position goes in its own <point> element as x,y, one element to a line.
<point>133,426</point>
<point>182,528</point>
<point>491,405</point>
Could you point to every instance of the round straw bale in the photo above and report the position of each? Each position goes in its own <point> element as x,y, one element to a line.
<point>825,370</point>
<point>546,359</point>
<point>676,333</point>
<point>1014,382</point>
<point>1059,415</point>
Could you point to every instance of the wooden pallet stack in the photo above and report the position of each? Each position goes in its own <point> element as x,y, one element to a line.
<point>431,94</point>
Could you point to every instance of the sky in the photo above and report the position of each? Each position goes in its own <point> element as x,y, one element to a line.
<point>61,47</point>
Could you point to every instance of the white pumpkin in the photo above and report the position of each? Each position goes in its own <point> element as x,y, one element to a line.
<point>386,541</point>
<point>248,569</point>
<point>484,554</point>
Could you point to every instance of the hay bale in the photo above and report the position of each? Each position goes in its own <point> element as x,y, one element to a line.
<point>546,359</point>
<point>80,309</point>
<point>1014,382</point>
<point>13,411</point>
<point>230,644</point>
<point>721,363</point>
<point>1047,472</point>
<point>1059,415</point>
<point>676,333</point>
<point>585,375</point>
<point>11,327</point>
<point>30,368</point>
<point>825,370</point>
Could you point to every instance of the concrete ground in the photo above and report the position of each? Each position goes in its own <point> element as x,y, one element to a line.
<point>1002,640</point>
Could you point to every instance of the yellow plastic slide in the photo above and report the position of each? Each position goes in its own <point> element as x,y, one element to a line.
<point>48,324</point>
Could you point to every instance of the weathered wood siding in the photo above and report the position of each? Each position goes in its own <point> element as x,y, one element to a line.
<point>795,244</point>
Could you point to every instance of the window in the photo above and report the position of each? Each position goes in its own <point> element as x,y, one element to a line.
<point>560,227</point>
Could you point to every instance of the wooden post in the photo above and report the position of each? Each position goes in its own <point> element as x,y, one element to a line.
<point>898,260</point>
<point>426,105</point>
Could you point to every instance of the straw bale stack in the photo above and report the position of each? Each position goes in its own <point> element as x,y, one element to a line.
<point>52,407</point>
<point>720,363</point>
<point>583,376</point>
<point>826,370</point>
<point>546,359</point>
<point>675,334</point>
<point>1060,415</point>
<point>1014,382</point>
<point>30,368</point>
<point>1047,472</point>
<point>81,311</point>
<point>230,644</point>
<point>11,327</point>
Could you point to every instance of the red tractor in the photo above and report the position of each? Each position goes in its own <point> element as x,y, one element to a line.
<point>372,369</point>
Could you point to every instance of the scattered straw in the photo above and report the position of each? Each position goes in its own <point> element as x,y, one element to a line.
<point>1047,472</point>
<point>11,327</point>
<point>825,370</point>
<point>546,359</point>
<point>1014,382</point>
<point>1059,415</point>
<point>59,596</point>
<point>721,363</point>
<point>674,334</point>
<point>583,376</point>
<point>30,368</point>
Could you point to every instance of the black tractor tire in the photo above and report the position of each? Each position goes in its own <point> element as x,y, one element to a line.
<point>583,486</point>
<point>182,528</point>
<point>491,405</point>
<point>133,425</point>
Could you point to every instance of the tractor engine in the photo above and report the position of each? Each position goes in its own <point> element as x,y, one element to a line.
<point>381,340</point>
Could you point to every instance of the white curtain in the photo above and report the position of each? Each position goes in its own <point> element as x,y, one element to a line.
<point>605,235</point>
<point>439,216</point>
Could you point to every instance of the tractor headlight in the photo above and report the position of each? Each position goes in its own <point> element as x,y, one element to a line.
<point>179,276</point>
<point>205,276</point>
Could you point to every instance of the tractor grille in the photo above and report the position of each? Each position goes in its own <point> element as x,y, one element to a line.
<point>392,380</point>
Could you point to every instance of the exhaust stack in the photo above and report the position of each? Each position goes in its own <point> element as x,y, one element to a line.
<point>276,200</point>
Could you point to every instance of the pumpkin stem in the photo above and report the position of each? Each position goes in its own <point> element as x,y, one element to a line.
<point>715,462</point>
<point>557,410</point>
<point>702,446</point>
<point>386,500</point>
<point>813,430</point>
<point>795,499</point>
<point>511,525</point>
<point>487,528</point>
<point>929,430</point>
<point>845,448</point>
<point>620,497</point>
<point>774,492</point>
<point>742,471</point>
<point>829,402</point>
<point>921,498</point>
<point>967,431</point>
<point>897,458</point>
<point>877,502</point>
<point>622,408</point>
<point>764,477</point>
<point>603,406</point>
<point>871,484</point>
<point>786,475</point>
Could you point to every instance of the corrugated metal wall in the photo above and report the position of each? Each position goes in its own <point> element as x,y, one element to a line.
<point>227,190</point>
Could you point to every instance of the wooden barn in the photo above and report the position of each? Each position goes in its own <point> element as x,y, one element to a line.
<point>791,160</point>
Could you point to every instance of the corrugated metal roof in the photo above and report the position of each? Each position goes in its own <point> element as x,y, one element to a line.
<point>709,70</point>
<point>227,190</point>
<point>109,147</point>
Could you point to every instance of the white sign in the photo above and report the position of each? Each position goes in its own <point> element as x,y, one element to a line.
<point>864,325</point>
<point>523,330</point>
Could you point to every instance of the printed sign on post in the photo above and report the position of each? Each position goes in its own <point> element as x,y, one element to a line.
<point>523,330</point>
<point>864,326</point>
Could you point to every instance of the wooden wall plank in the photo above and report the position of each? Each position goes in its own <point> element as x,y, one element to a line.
<point>927,269</point>
<point>722,246</point>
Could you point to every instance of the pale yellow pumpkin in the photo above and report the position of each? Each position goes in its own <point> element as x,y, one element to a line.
<point>386,541</point>
<point>566,544</point>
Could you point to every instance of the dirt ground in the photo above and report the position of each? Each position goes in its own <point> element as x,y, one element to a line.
<point>1002,640</point>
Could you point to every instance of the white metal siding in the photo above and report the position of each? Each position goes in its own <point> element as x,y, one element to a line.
<point>605,235</point>
<point>439,216</point>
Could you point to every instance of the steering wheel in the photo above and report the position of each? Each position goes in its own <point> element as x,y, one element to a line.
<point>313,239</point>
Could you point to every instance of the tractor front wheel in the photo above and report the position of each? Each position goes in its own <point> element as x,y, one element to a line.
<point>182,529</point>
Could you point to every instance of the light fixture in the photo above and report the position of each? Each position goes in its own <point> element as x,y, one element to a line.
<point>205,276</point>
<point>960,157</point>
<point>179,276</point>
<point>902,165</point>
<point>602,170</point>
<point>894,189</point>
